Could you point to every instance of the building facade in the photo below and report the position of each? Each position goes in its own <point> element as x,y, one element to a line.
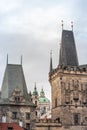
<point>15,102</point>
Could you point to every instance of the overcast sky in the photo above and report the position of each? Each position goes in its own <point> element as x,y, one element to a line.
<point>32,28</point>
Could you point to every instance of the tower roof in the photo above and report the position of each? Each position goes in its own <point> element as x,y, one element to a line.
<point>51,65</point>
<point>68,54</point>
<point>35,92</point>
<point>13,78</point>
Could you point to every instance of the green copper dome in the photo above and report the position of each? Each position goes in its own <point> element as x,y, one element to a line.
<point>44,100</point>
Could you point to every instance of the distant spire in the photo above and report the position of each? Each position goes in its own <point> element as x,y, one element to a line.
<point>7,58</point>
<point>42,93</point>
<point>30,94</point>
<point>51,65</point>
<point>35,92</point>
<point>35,86</point>
<point>21,59</point>
<point>72,25</point>
<point>62,24</point>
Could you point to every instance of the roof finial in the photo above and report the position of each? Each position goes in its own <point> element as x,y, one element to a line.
<point>62,24</point>
<point>21,59</point>
<point>51,65</point>
<point>72,25</point>
<point>7,58</point>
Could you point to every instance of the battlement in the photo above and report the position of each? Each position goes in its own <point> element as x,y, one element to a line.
<point>82,69</point>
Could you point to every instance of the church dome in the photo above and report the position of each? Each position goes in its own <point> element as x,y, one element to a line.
<point>42,98</point>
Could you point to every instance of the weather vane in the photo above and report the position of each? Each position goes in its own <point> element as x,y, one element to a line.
<point>72,25</point>
<point>62,24</point>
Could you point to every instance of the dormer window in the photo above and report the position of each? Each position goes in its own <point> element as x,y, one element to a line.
<point>17,99</point>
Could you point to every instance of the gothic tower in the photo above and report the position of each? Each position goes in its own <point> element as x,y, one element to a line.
<point>69,86</point>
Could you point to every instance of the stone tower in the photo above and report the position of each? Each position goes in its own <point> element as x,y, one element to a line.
<point>69,86</point>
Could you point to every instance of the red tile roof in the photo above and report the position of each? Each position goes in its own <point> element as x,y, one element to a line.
<point>5,126</point>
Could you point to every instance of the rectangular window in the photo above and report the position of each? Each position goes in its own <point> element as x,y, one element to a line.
<point>14,115</point>
<point>55,102</point>
<point>76,118</point>
<point>27,115</point>
<point>17,99</point>
<point>28,126</point>
<point>10,128</point>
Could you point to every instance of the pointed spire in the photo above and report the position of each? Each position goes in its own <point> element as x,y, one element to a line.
<point>62,24</point>
<point>30,94</point>
<point>35,86</point>
<point>42,93</point>
<point>35,92</point>
<point>72,25</point>
<point>51,65</point>
<point>7,58</point>
<point>21,59</point>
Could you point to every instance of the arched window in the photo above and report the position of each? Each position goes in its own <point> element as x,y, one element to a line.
<point>17,99</point>
<point>36,103</point>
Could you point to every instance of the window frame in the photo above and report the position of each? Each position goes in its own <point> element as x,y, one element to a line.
<point>27,115</point>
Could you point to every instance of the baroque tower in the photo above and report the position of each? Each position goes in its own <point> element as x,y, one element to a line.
<point>69,86</point>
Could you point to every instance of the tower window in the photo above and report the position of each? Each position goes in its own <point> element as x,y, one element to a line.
<point>10,128</point>
<point>27,116</point>
<point>36,103</point>
<point>28,126</point>
<point>14,115</point>
<point>36,113</point>
<point>55,102</point>
<point>17,99</point>
<point>76,119</point>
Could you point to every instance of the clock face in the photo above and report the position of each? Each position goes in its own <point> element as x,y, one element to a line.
<point>43,110</point>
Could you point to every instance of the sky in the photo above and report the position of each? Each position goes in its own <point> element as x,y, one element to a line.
<point>32,28</point>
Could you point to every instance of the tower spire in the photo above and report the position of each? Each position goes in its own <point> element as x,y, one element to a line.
<point>62,24</point>
<point>35,86</point>
<point>7,58</point>
<point>72,25</point>
<point>68,53</point>
<point>21,59</point>
<point>51,65</point>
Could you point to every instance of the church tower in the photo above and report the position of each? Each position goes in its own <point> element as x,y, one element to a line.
<point>69,86</point>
